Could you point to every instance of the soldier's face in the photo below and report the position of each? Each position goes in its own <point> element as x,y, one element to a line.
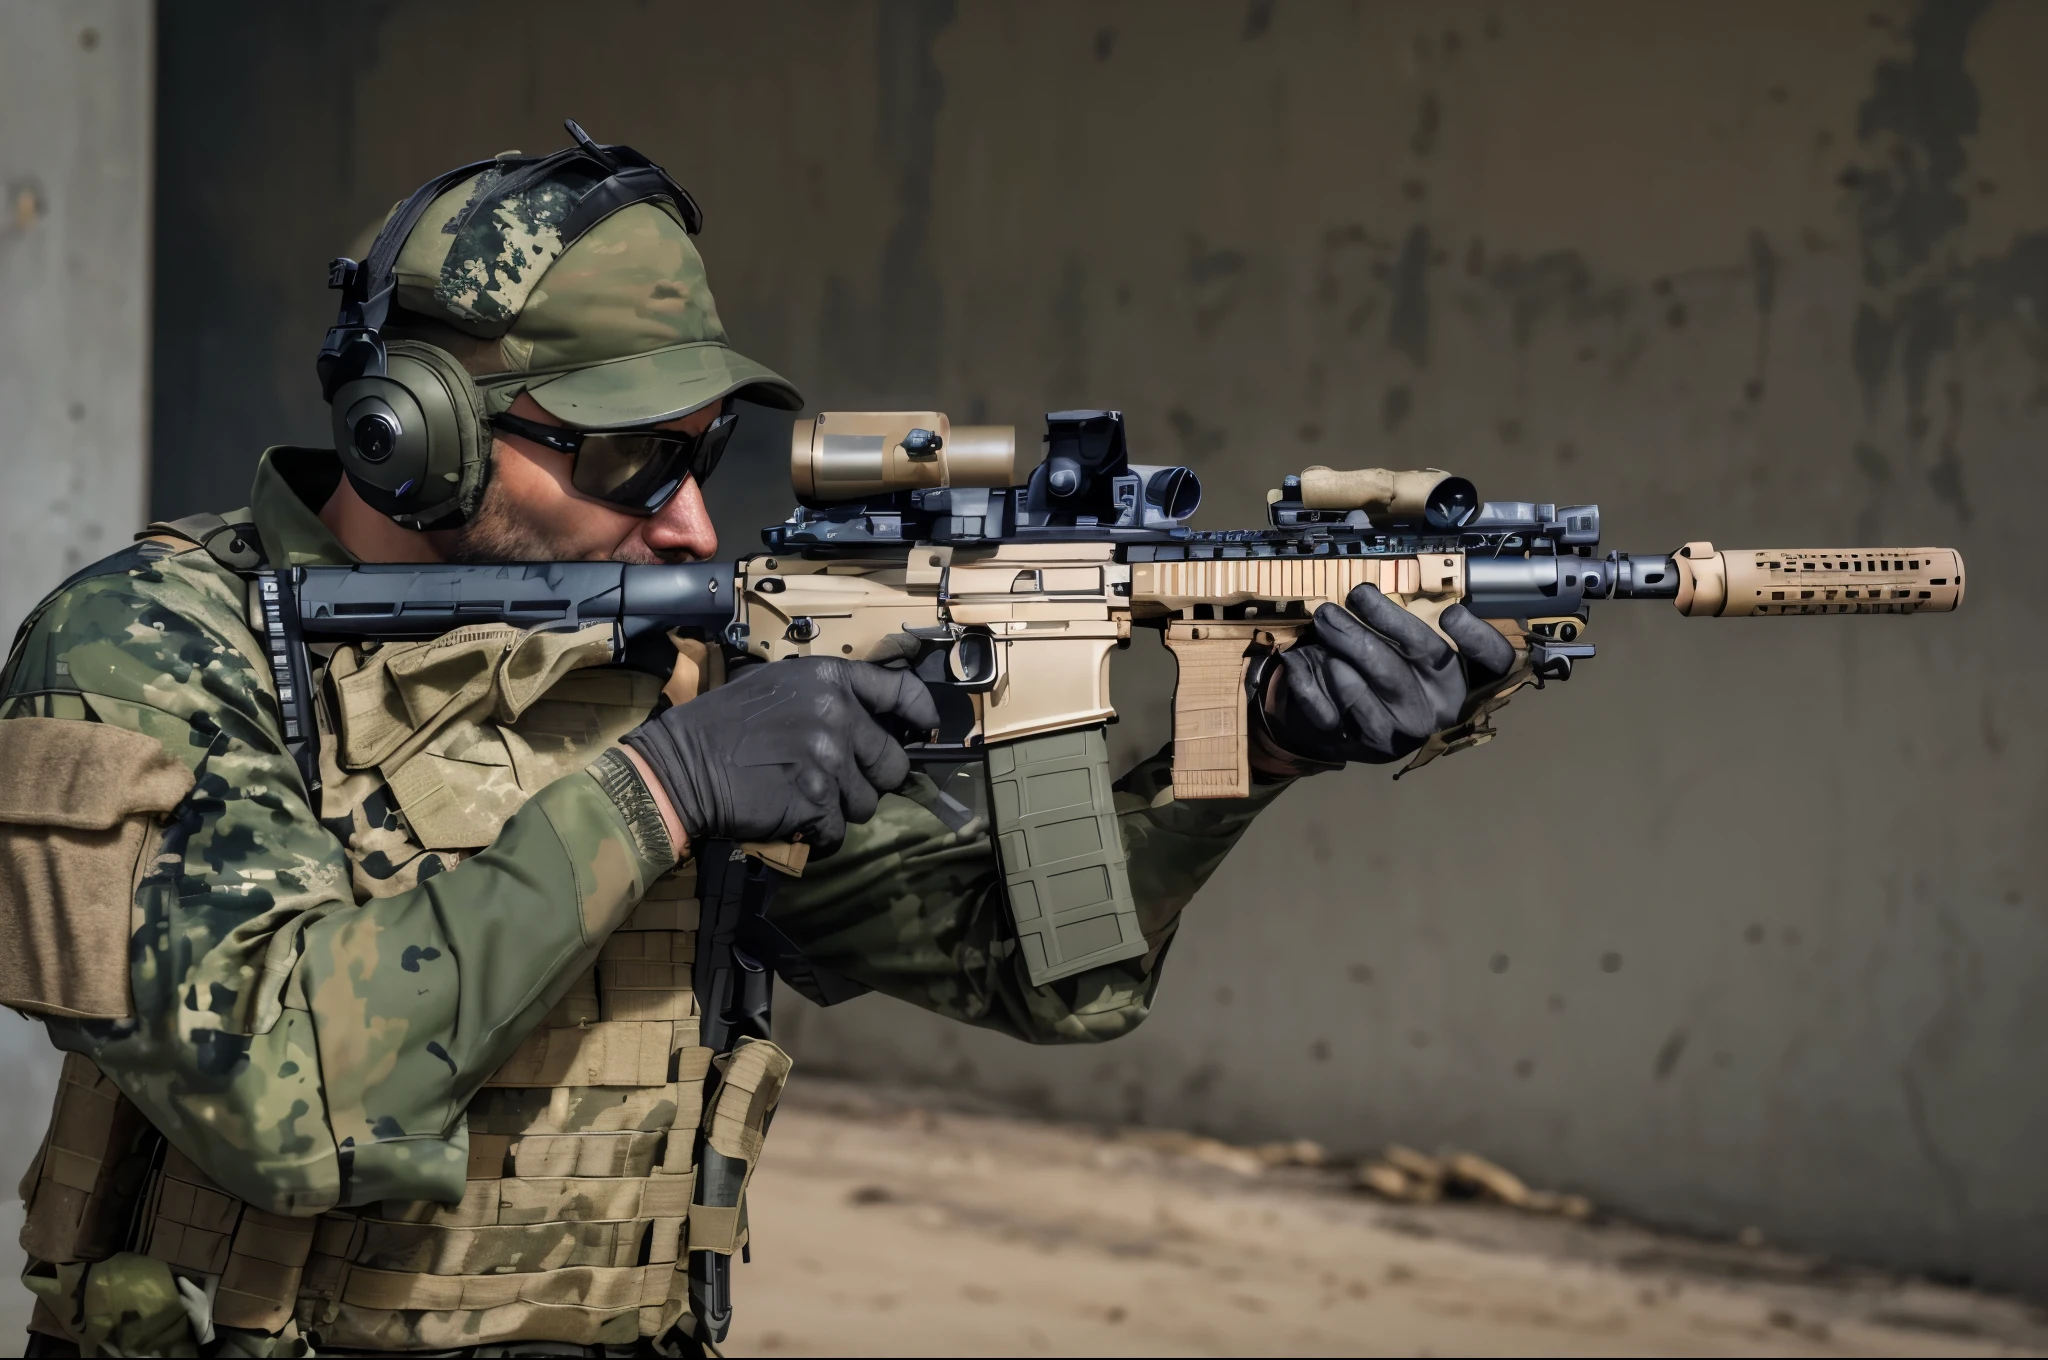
<point>532,513</point>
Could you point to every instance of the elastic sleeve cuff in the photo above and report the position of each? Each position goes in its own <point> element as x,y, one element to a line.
<point>622,784</point>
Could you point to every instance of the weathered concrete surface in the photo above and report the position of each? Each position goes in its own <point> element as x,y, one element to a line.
<point>75,112</point>
<point>1743,926</point>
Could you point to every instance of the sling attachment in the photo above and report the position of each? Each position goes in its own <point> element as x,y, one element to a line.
<point>731,980</point>
<point>235,544</point>
<point>285,645</point>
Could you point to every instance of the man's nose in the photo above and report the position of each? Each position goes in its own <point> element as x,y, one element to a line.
<point>682,528</point>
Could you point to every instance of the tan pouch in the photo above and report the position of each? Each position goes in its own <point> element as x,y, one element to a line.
<point>734,1126</point>
<point>466,728</point>
<point>79,805</point>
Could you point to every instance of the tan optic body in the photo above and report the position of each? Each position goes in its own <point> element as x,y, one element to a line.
<point>1377,491</point>
<point>843,455</point>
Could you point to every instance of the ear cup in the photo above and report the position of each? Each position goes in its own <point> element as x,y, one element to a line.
<point>413,439</point>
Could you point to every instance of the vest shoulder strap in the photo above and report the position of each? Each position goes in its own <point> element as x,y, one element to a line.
<point>230,540</point>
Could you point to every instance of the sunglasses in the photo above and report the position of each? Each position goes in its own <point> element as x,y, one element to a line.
<point>637,471</point>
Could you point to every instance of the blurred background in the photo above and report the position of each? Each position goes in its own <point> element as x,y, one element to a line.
<point>1744,927</point>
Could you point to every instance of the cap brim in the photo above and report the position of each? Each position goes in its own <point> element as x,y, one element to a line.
<point>660,385</point>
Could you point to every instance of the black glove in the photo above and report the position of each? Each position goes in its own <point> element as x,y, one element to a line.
<point>788,750</point>
<point>1372,682</point>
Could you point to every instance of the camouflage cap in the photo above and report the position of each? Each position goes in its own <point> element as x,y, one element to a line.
<point>618,330</point>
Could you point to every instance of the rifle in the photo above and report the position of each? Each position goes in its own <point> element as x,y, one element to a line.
<point>914,543</point>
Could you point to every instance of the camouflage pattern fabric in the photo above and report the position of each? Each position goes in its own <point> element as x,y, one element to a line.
<point>619,329</point>
<point>127,1304</point>
<point>317,1005</point>
<point>476,262</point>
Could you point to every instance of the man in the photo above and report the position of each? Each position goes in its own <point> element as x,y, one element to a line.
<point>410,1064</point>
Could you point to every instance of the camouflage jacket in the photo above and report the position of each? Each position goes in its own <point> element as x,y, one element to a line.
<point>315,1004</point>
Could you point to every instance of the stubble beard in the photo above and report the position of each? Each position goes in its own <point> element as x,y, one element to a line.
<point>497,533</point>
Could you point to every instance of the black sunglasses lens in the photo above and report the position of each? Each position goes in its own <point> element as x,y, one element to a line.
<point>641,471</point>
<point>607,464</point>
<point>711,446</point>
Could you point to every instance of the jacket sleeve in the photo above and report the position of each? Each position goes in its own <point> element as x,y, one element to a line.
<point>916,910</point>
<point>305,1051</point>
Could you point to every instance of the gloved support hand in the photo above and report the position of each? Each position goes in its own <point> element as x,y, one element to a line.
<point>788,750</point>
<point>1374,681</point>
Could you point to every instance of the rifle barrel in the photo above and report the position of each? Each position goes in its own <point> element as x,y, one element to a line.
<point>1731,583</point>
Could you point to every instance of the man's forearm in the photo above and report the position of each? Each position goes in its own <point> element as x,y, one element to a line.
<point>916,910</point>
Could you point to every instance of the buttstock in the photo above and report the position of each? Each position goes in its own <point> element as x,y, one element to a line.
<point>1747,582</point>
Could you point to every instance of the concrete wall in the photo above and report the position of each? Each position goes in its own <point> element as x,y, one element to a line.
<point>75,116</point>
<point>1746,924</point>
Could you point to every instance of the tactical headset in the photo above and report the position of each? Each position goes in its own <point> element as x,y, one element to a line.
<point>409,423</point>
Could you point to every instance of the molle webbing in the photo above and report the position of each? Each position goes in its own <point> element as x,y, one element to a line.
<point>81,1192</point>
<point>616,1053</point>
<point>647,977</point>
<point>81,1188</point>
<point>580,1178</point>
<point>585,1289</point>
<point>524,1200</point>
<point>199,1229</point>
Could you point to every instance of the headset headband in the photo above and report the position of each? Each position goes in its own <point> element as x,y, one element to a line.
<point>354,345</point>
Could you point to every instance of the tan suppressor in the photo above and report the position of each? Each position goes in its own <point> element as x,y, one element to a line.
<point>1745,582</point>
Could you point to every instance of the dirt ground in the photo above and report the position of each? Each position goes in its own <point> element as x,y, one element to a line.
<point>885,1225</point>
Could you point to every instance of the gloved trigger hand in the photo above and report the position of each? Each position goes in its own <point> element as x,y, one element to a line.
<point>792,750</point>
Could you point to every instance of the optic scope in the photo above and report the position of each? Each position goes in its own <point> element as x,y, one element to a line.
<point>844,455</point>
<point>875,476</point>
